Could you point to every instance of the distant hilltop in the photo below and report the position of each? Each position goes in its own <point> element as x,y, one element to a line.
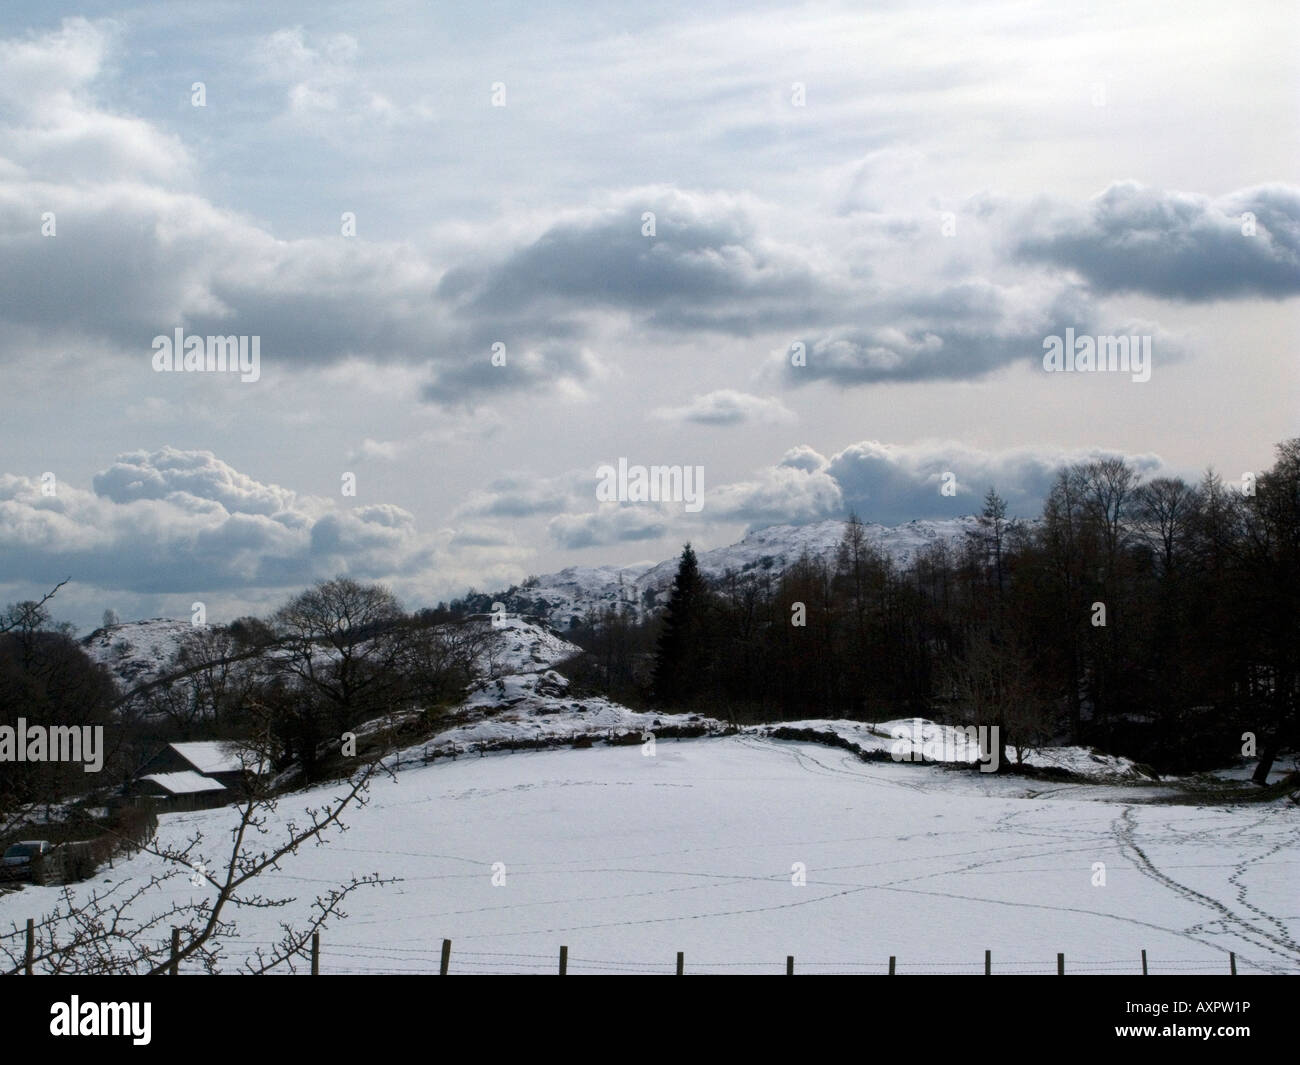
<point>577,593</point>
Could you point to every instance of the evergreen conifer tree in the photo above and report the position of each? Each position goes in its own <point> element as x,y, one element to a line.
<point>680,654</point>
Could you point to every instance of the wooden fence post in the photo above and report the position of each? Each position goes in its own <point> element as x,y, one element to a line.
<point>681,963</point>
<point>564,961</point>
<point>1144,963</point>
<point>789,965</point>
<point>315,954</point>
<point>988,963</point>
<point>176,953</point>
<point>31,946</point>
<point>1060,965</point>
<point>446,957</point>
<point>891,965</point>
<point>1232,962</point>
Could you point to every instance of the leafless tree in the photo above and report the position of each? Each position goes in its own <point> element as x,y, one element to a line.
<point>126,928</point>
<point>1167,506</point>
<point>338,639</point>
<point>994,682</point>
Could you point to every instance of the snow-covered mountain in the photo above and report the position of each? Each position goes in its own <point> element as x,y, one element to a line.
<point>577,593</point>
<point>139,651</point>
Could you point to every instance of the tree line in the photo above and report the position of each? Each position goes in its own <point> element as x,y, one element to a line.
<point>1158,619</point>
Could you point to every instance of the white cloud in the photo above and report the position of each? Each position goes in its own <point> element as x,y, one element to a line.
<point>325,87</point>
<point>728,407</point>
<point>57,131</point>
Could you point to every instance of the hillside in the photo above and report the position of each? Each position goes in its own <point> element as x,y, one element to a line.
<point>578,593</point>
<point>138,651</point>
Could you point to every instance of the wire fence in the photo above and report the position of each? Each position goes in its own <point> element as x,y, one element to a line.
<point>346,958</point>
<point>371,958</point>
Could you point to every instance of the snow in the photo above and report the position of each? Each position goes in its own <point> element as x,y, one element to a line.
<point>914,739</point>
<point>185,782</point>
<point>138,651</point>
<point>210,756</point>
<point>584,591</point>
<point>1285,763</point>
<point>520,646</point>
<point>627,858</point>
<point>538,706</point>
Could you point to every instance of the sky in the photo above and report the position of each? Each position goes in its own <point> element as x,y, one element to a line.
<point>814,251</point>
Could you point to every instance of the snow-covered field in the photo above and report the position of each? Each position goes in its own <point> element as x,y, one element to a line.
<point>627,858</point>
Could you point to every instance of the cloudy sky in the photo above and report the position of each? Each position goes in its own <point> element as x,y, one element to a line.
<point>814,249</point>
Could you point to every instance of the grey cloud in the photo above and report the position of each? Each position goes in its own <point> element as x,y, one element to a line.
<point>611,524</point>
<point>523,495</point>
<point>804,458</point>
<point>781,495</point>
<point>168,471</point>
<point>893,483</point>
<point>953,332</point>
<point>704,251</point>
<point>175,521</point>
<point>1176,245</point>
<point>474,376</point>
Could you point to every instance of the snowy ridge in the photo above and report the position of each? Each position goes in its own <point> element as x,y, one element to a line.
<point>138,651</point>
<point>522,699</point>
<point>519,646</point>
<point>919,739</point>
<point>579,593</point>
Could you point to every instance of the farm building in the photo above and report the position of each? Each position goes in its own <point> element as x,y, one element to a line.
<point>182,790</point>
<point>222,762</point>
<point>193,775</point>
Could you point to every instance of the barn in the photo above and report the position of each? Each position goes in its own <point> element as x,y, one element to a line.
<point>182,790</point>
<point>195,774</point>
<point>222,761</point>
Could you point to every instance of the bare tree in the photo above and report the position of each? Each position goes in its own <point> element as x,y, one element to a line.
<point>29,615</point>
<point>126,929</point>
<point>1109,489</point>
<point>994,680</point>
<point>437,661</point>
<point>339,642</point>
<point>994,529</point>
<point>1167,507</point>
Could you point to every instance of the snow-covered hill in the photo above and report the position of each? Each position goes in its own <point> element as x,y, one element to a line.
<point>519,646</point>
<point>578,593</point>
<point>138,651</point>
